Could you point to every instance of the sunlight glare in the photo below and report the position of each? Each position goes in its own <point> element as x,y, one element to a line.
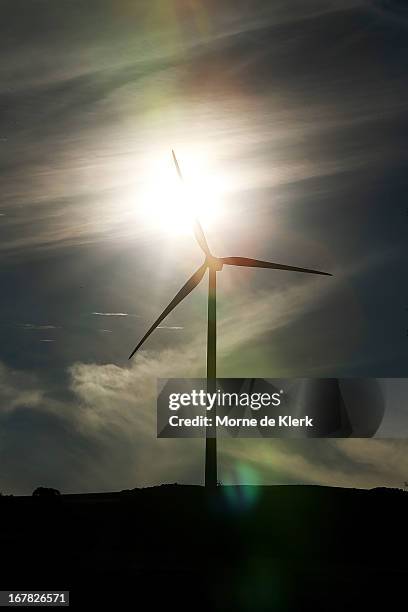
<point>169,204</point>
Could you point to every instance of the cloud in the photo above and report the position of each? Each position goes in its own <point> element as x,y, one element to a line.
<point>344,463</point>
<point>104,437</point>
<point>123,400</point>
<point>37,327</point>
<point>111,314</point>
<point>18,389</point>
<point>297,114</point>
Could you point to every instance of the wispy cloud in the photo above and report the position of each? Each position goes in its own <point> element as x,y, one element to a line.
<point>280,131</point>
<point>18,389</point>
<point>111,426</point>
<point>345,463</point>
<point>111,314</point>
<point>34,326</point>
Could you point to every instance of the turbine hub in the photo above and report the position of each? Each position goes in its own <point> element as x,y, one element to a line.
<point>214,263</point>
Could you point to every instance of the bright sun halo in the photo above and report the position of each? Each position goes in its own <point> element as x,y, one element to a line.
<point>169,204</point>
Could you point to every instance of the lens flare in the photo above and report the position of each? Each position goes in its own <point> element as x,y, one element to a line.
<point>245,492</point>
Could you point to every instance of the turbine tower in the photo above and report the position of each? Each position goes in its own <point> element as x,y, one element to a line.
<point>213,265</point>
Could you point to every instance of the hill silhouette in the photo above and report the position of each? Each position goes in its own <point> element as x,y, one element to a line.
<point>240,548</point>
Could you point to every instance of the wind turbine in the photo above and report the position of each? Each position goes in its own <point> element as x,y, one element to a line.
<point>213,265</point>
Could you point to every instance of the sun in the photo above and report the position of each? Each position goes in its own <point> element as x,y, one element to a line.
<point>170,205</point>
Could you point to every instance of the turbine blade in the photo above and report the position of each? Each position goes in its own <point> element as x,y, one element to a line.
<point>200,236</point>
<point>184,291</point>
<point>177,165</point>
<point>198,230</point>
<point>257,263</point>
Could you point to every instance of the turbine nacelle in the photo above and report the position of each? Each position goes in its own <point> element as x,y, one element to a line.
<point>215,263</point>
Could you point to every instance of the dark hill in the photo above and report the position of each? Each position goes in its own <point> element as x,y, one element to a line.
<point>243,548</point>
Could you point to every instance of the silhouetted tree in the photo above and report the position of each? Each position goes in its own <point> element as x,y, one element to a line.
<point>45,492</point>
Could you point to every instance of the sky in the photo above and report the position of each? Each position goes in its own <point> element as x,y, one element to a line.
<point>289,121</point>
